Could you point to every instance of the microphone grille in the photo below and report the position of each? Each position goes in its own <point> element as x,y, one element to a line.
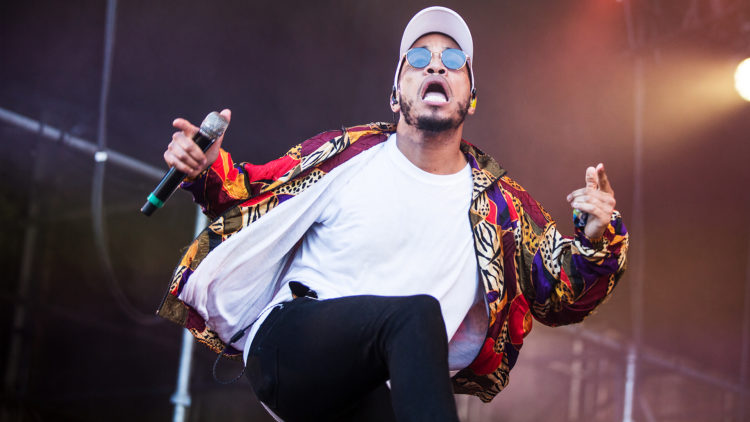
<point>214,125</point>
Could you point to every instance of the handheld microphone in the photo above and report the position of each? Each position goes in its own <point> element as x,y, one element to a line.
<point>213,126</point>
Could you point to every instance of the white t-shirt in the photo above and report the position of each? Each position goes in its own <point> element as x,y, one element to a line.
<point>396,230</point>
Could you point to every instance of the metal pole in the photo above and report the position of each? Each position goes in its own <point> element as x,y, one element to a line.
<point>109,46</point>
<point>14,387</point>
<point>674,363</point>
<point>81,144</point>
<point>576,381</point>
<point>181,397</point>
<point>638,258</point>
<point>627,411</point>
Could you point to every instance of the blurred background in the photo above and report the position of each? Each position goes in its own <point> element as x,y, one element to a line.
<point>645,86</point>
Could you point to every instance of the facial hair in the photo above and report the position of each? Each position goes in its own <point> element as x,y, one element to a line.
<point>431,123</point>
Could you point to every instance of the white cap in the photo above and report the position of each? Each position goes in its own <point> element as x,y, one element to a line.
<point>438,19</point>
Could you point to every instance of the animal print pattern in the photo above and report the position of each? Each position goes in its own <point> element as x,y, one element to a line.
<point>297,186</point>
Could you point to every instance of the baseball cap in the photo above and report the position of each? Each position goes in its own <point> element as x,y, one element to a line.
<point>436,19</point>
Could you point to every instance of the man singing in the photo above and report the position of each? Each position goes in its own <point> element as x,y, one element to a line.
<point>382,252</point>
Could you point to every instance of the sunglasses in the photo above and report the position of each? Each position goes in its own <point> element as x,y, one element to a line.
<point>420,57</point>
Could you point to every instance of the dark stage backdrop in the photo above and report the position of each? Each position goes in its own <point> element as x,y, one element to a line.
<point>556,94</point>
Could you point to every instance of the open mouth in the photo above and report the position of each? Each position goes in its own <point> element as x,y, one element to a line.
<point>435,92</point>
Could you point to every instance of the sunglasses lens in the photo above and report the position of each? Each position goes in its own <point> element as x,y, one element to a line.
<point>419,57</point>
<point>453,58</point>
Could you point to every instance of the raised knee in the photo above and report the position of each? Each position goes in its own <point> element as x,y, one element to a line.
<point>420,318</point>
<point>422,310</point>
<point>424,305</point>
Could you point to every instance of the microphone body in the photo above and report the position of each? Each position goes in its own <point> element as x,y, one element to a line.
<point>212,127</point>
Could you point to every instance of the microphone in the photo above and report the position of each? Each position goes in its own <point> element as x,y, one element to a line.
<point>213,126</point>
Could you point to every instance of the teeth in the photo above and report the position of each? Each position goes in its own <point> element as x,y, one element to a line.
<point>435,97</point>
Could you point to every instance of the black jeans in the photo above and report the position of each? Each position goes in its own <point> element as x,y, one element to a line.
<point>329,360</point>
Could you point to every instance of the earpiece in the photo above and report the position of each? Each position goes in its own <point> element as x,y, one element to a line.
<point>473,102</point>
<point>394,100</point>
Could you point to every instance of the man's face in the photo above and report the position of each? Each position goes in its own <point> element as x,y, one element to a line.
<point>434,98</point>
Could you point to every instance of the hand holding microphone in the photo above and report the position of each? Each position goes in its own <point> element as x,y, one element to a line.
<point>191,151</point>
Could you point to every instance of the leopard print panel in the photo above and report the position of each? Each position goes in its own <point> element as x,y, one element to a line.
<point>296,186</point>
<point>552,249</point>
<point>481,182</point>
<point>295,152</point>
<point>211,340</point>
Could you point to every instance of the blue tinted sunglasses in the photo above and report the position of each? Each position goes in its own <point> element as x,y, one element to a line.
<point>420,57</point>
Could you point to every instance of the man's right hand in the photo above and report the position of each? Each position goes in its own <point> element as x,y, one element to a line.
<point>183,154</point>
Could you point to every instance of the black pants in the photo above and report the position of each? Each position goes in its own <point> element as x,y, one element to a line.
<point>329,360</point>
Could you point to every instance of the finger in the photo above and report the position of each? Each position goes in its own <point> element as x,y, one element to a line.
<point>583,206</point>
<point>591,180</point>
<point>185,158</point>
<point>227,114</point>
<point>174,162</point>
<point>599,199</point>
<point>595,211</point>
<point>186,149</point>
<point>602,206</point>
<point>582,191</point>
<point>177,153</point>
<point>186,127</point>
<point>575,194</point>
<point>603,179</point>
<point>596,195</point>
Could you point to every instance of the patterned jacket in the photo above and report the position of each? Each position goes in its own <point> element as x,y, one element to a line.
<point>527,268</point>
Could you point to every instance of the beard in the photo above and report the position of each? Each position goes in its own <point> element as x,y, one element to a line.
<point>432,123</point>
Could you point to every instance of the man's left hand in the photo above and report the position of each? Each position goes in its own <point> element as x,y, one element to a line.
<point>597,199</point>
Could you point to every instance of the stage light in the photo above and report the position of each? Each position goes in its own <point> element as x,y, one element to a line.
<point>742,79</point>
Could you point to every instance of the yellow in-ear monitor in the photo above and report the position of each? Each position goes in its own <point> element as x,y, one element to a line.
<point>474,102</point>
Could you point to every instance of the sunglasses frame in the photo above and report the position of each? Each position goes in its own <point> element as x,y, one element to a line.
<point>432,54</point>
<point>403,57</point>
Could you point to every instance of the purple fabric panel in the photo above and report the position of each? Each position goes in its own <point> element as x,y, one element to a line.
<point>589,271</point>
<point>503,217</point>
<point>471,160</point>
<point>512,353</point>
<point>509,260</point>
<point>542,283</point>
<point>283,197</point>
<point>184,278</point>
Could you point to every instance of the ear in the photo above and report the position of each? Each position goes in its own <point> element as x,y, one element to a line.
<point>395,101</point>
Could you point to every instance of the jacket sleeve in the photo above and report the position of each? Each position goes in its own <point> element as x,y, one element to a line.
<point>564,279</point>
<point>226,183</point>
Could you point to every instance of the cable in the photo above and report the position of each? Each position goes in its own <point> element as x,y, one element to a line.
<point>97,183</point>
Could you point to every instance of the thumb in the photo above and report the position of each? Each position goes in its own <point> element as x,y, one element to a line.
<point>591,178</point>
<point>226,114</point>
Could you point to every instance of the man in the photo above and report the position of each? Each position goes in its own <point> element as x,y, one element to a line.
<point>350,261</point>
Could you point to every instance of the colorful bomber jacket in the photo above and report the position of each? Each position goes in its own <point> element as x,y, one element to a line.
<point>527,268</point>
